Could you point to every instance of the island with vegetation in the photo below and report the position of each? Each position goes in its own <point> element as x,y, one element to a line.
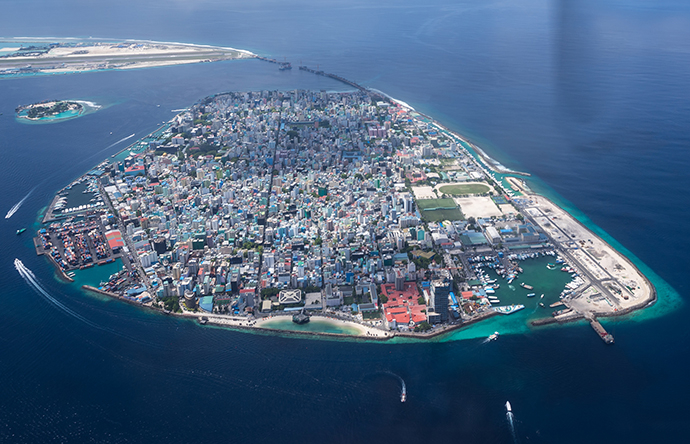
<point>50,110</point>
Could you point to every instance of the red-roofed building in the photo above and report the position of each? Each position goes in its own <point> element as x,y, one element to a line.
<point>402,310</point>
<point>135,170</point>
<point>114,240</point>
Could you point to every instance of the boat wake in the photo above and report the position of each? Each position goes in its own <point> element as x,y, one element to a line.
<point>16,206</point>
<point>31,279</point>
<point>403,387</point>
<point>119,141</point>
<point>511,421</point>
<point>403,390</point>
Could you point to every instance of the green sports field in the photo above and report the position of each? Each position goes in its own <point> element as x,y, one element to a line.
<point>461,189</point>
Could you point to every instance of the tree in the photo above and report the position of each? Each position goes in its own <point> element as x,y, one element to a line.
<point>421,300</point>
<point>422,327</point>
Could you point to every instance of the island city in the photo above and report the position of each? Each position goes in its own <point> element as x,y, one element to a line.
<point>271,210</point>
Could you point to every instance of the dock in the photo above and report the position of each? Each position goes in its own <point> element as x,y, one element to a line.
<point>603,334</point>
<point>38,245</point>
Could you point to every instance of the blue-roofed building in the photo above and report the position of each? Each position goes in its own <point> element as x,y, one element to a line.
<point>206,303</point>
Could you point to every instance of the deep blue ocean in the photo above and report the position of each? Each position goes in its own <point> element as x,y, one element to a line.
<point>592,97</point>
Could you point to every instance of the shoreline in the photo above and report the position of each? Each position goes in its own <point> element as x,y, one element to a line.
<point>489,161</point>
<point>71,55</point>
<point>255,325</point>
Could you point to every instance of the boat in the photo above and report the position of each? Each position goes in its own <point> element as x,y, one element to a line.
<point>20,231</point>
<point>541,304</point>
<point>530,295</point>
<point>203,320</point>
<point>403,397</point>
<point>509,409</point>
<point>493,336</point>
<point>508,309</point>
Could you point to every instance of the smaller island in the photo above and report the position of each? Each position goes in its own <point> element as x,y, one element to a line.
<point>51,111</point>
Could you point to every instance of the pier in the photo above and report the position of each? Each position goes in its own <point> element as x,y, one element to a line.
<point>603,334</point>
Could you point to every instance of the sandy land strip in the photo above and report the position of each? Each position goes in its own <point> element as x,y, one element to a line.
<point>478,206</point>
<point>127,55</point>
<point>364,330</point>
<point>621,286</point>
<point>424,192</point>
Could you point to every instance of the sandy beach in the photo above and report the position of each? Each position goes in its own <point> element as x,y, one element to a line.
<point>363,330</point>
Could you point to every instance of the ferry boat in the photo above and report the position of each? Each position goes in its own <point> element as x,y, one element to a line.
<point>493,336</point>
<point>509,309</point>
<point>20,231</point>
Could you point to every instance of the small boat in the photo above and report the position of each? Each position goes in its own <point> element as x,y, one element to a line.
<point>403,397</point>
<point>493,336</point>
<point>530,295</point>
<point>528,287</point>
<point>509,409</point>
<point>541,304</point>
<point>20,231</point>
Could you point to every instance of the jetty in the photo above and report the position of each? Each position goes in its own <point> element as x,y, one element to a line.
<point>601,331</point>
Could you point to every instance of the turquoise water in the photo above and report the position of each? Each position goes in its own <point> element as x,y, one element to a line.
<point>87,107</point>
<point>95,275</point>
<point>67,115</point>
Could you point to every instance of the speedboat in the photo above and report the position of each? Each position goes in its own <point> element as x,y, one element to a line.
<point>493,336</point>
<point>403,397</point>
<point>509,409</point>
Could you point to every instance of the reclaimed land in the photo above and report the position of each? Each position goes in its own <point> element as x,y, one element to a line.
<point>70,56</point>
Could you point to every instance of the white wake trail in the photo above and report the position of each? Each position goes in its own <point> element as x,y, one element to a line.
<point>31,279</point>
<point>16,206</point>
<point>119,141</point>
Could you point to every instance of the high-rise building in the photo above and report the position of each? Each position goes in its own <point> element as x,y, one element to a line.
<point>440,291</point>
